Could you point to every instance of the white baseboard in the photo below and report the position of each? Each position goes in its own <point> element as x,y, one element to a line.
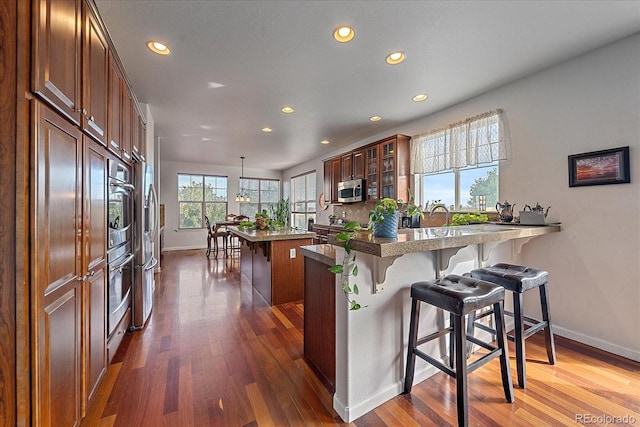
<point>183,248</point>
<point>350,413</point>
<point>619,350</point>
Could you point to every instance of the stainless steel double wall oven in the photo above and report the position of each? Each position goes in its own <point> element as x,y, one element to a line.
<point>120,242</point>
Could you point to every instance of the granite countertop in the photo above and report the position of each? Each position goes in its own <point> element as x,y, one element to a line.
<point>412,240</point>
<point>326,254</point>
<point>271,235</point>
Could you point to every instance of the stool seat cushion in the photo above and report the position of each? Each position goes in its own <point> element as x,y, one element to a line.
<point>514,278</point>
<point>458,294</point>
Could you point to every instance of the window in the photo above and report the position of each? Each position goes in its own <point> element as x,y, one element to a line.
<point>458,166</point>
<point>303,205</point>
<point>263,194</point>
<point>200,195</point>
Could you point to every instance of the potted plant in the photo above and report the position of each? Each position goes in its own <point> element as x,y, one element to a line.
<point>383,219</point>
<point>279,214</point>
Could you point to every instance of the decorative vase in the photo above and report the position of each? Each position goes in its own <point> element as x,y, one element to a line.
<point>388,227</point>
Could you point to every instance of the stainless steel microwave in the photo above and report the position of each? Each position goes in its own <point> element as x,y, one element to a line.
<point>350,191</point>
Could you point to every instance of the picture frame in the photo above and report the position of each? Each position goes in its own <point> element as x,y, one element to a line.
<point>600,167</point>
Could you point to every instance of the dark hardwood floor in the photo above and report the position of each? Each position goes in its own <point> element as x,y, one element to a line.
<point>213,353</point>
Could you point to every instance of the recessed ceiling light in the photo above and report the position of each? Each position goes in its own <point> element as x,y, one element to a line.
<point>395,58</point>
<point>159,48</point>
<point>206,127</point>
<point>287,110</point>
<point>375,118</point>
<point>214,85</point>
<point>267,130</point>
<point>420,97</point>
<point>344,33</point>
<point>205,139</point>
<point>324,142</point>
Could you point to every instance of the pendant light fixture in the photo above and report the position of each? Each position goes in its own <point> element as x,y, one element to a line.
<point>242,196</point>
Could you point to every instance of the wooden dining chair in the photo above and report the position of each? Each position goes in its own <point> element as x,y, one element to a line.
<point>213,234</point>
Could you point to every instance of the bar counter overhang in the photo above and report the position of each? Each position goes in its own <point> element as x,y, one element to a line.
<point>371,343</point>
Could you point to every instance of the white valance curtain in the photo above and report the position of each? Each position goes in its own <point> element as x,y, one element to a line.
<point>478,139</point>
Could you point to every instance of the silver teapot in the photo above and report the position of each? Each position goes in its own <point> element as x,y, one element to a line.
<point>505,211</point>
<point>539,209</point>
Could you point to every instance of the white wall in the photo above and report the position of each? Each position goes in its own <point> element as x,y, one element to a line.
<point>589,103</point>
<point>192,239</point>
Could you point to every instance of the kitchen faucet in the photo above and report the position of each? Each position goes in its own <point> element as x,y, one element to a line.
<point>433,209</point>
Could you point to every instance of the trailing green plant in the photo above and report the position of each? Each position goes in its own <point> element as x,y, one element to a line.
<point>469,218</point>
<point>348,267</point>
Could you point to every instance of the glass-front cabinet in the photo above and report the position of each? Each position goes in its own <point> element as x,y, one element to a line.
<point>372,173</point>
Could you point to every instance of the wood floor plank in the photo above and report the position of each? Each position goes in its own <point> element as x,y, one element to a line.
<point>215,354</point>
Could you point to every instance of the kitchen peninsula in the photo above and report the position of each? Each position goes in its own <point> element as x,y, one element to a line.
<point>271,261</point>
<point>370,344</point>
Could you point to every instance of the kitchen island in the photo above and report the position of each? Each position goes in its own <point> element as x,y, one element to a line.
<point>271,261</point>
<point>371,344</point>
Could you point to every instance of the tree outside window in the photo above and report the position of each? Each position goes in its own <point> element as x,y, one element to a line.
<point>200,195</point>
<point>263,194</point>
<point>303,205</point>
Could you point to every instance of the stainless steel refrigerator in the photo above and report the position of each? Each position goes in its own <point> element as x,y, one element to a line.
<point>145,233</point>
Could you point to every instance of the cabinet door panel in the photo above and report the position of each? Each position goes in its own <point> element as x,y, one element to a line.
<point>95,333</point>
<point>96,70</point>
<point>127,120</point>
<point>94,260</point>
<point>358,164</point>
<point>60,370</point>
<point>58,208</point>
<point>336,177</point>
<point>114,108</point>
<point>347,171</point>
<point>56,260</point>
<point>57,48</point>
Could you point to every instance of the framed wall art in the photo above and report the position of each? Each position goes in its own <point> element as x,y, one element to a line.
<point>600,167</point>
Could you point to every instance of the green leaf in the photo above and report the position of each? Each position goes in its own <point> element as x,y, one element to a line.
<point>355,306</point>
<point>352,226</point>
<point>345,287</point>
<point>343,236</point>
<point>336,269</point>
<point>355,289</point>
<point>355,270</point>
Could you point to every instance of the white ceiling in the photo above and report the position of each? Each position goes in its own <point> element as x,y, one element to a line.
<point>268,54</point>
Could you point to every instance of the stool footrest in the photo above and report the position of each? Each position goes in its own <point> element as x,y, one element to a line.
<point>484,359</point>
<point>435,362</point>
<point>433,336</point>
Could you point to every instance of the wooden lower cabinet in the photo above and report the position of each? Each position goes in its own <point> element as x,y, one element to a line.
<point>320,320</point>
<point>68,258</point>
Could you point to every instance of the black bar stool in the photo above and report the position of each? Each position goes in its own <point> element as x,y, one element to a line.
<point>518,280</point>
<point>459,296</point>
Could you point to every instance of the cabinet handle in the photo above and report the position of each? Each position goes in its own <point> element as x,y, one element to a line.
<point>91,119</point>
<point>87,276</point>
<point>82,111</point>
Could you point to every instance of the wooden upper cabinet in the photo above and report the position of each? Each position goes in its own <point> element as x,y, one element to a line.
<point>56,269</point>
<point>372,173</point>
<point>57,62</point>
<point>138,145</point>
<point>346,167</point>
<point>353,165</point>
<point>326,181</point>
<point>357,164</point>
<point>336,177</point>
<point>95,76</point>
<point>114,110</point>
<point>127,123</point>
